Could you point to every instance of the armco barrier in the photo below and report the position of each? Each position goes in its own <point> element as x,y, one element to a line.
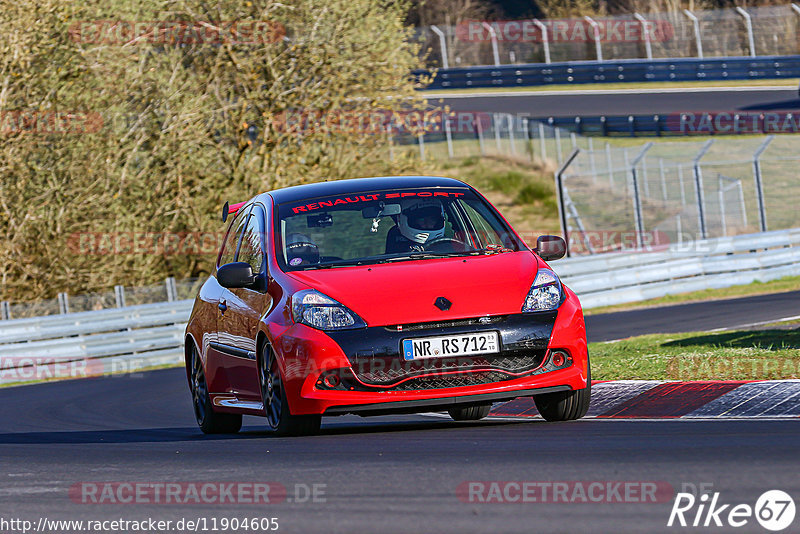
<point>617,278</point>
<point>627,70</point>
<point>678,124</point>
<point>77,345</point>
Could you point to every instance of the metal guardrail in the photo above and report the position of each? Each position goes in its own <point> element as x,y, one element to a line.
<point>626,70</point>
<point>92,343</point>
<point>678,124</point>
<point>617,278</point>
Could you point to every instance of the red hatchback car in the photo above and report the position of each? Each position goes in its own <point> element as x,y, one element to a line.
<point>376,296</point>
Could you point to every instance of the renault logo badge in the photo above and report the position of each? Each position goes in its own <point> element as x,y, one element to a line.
<point>442,303</point>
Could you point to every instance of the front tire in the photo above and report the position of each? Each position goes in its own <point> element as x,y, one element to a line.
<point>470,413</point>
<point>209,421</point>
<point>566,405</point>
<point>279,418</point>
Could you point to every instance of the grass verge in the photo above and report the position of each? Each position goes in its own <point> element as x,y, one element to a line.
<point>769,354</point>
<point>781,285</point>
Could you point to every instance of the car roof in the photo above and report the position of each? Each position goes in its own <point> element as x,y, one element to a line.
<point>359,185</point>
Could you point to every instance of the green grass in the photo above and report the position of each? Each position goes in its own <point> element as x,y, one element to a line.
<point>735,355</point>
<point>789,83</point>
<point>781,285</point>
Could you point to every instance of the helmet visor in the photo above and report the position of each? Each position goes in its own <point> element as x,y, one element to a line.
<point>425,218</point>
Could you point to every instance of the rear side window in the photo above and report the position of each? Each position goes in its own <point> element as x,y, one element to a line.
<point>228,252</point>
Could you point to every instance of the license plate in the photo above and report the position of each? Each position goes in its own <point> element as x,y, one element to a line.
<point>446,346</point>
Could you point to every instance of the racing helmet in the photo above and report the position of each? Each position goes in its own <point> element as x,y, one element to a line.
<point>421,220</point>
<point>301,250</point>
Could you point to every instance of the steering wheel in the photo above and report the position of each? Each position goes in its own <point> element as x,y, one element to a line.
<point>446,244</point>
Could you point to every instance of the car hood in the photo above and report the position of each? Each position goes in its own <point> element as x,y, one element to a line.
<point>405,292</point>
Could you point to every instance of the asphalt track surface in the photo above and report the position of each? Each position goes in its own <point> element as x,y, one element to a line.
<point>390,474</point>
<point>626,101</point>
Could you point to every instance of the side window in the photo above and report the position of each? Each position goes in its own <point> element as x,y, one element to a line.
<point>228,252</point>
<point>250,250</point>
<point>486,234</point>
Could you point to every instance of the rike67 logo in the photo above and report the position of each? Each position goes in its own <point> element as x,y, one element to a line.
<point>774,510</point>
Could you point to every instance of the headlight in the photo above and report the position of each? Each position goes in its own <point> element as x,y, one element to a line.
<point>545,294</point>
<point>316,310</point>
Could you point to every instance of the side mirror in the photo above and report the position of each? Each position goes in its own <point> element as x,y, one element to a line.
<point>550,247</point>
<point>237,274</point>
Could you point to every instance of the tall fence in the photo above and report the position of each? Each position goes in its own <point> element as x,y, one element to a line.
<point>670,192</point>
<point>752,31</point>
<point>457,134</point>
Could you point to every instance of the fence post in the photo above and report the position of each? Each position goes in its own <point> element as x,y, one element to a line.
<point>680,181</point>
<point>172,289</point>
<point>698,183</point>
<point>545,39</point>
<point>442,46</point>
<point>562,208</point>
<point>762,210</point>
<point>557,133</point>
<point>529,138</point>
<point>448,135</point>
<point>511,140</point>
<point>697,38</point>
<point>596,32</point>
<point>721,194</point>
<point>663,178</point>
<point>5,311</point>
<point>63,303</point>
<point>479,129</point>
<point>119,293</point>
<point>496,125</point>
<point>749,24</point>
<point>493,36</point>
<point>542,141</point>
<point>421,142</point>
<point>592,165</point>
<point>637,201</point>
<point>646,34</point>
<point>610,166</point>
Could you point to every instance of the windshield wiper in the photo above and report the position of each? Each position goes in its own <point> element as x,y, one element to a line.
<point>338,263</point>
<point>429,254</point>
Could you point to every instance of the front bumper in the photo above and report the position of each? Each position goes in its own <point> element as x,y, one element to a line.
<point>372,376</point>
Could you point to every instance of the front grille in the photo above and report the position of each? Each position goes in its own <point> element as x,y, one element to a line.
<point>452,381</point>
<point>386,371</point>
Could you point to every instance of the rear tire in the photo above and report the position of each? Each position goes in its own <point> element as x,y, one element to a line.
<point>209,421</point>
<point>470,413</point>
<point>566,405</point>
<point>279,418</point>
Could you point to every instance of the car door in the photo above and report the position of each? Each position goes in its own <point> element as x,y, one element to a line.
<point>238,323</point>
<point>217,358</point>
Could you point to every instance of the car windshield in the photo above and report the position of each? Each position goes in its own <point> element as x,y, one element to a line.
<point>388,226</point>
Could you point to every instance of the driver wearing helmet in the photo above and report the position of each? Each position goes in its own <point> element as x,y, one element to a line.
<point>419,222</point>
<point>301,250</point>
